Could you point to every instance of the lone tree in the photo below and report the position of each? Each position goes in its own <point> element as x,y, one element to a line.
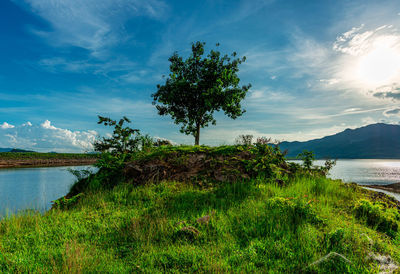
<point>198,86</point>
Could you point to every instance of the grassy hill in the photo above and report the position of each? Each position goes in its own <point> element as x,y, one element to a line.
<point>280,219</point>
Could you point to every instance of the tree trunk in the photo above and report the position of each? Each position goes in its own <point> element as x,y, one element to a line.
<point>197,136</point>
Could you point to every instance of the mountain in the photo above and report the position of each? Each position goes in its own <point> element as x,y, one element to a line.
<point>372,141</point>
<point>20,150</point>
<point>14,150</point>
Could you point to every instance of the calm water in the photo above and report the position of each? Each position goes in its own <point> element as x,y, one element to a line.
<point>367,172</point>
<point>33,188</point>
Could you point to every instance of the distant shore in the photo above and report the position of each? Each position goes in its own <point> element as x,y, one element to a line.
<point>17,160</point>
<point>45,163</point>
<point>395,188</point>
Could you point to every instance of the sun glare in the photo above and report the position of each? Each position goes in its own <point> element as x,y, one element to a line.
<point>379,66</point>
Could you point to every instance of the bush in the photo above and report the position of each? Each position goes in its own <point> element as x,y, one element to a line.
<point>375,215</point>
<point>307,157</point>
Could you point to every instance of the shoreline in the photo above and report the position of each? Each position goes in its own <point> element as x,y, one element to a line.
<point>395,188</point>
<point>19,163</point>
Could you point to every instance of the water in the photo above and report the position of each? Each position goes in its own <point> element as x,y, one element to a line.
<point>33,188</point>
<point>366,172</point>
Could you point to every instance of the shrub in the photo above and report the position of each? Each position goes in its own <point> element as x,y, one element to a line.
<point>245,140</point>
<point>375,215</point>
<point>307,157</point>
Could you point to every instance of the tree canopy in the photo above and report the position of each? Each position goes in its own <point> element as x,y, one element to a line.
<point>198,86</point>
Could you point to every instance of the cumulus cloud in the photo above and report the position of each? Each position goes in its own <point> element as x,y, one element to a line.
<point>46,137</point>
<point>6,125</point>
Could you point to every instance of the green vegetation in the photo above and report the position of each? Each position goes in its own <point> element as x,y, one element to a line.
<point>197,87</point>
<point>270,222</point>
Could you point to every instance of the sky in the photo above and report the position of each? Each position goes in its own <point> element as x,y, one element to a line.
<point>316,67</point>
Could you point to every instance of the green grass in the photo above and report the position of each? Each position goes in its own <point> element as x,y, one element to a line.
<point>255,226</point>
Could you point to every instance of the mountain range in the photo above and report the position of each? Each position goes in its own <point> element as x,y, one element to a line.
<point>376,141</point>
<point>14,150</point>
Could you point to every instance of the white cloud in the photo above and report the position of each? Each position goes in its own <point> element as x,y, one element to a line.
<point>392,112</point>
<point>6,125</point>
<point>115,65</point>
<point>91,24</point>
<point>46,137</point>
<point>331,81</point>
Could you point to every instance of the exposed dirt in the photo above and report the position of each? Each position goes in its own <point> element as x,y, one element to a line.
<point>14,163</point>
<point>197,166</point>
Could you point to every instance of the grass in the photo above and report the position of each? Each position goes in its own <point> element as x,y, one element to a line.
<point>255,226</point>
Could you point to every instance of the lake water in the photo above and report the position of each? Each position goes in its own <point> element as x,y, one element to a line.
<point>33,188</point>
<point>367,172</point>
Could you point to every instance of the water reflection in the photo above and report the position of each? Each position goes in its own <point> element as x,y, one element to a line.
<point>366,171</point>
<point>33,188</point>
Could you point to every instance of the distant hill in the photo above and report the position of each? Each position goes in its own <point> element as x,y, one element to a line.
<point>372,141</point>
<point>14,150</point>
<point>20,150</point>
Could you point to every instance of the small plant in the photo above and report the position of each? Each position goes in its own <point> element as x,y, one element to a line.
<point>162,142</point>
<point>245,140</point>
<point>65,203</point>
<point>263,140</point>
<point>146,142</point>
<point>329,164</point>
<point>266,141</point>
<point>307,157</point>
<point>123,139</point>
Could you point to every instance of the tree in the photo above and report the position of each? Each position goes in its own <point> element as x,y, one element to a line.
<point>123,139</point>
<point>199,86</point>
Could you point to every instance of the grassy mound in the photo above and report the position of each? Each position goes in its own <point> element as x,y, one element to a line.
<point>251,225</point>
<point>196,164</point>
<point>207,164</point>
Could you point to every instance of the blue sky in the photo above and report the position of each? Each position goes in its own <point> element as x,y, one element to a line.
<point>316,67</point>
